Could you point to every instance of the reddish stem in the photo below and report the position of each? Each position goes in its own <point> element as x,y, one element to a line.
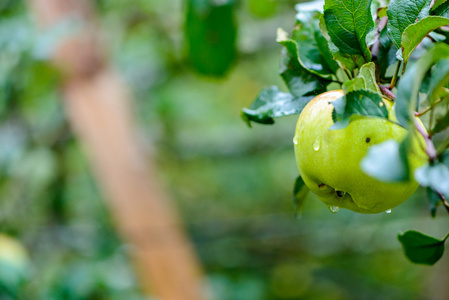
<point>387,92</point>
<point>430,148</point>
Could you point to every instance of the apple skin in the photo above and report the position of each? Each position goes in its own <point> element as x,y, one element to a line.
<point>329,160</point>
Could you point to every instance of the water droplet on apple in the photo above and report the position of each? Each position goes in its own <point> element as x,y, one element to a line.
<point>334,209</point>
<point>381,104</point>
<point>388,211</point>
<point>316,145</point>
<point>295,140</point>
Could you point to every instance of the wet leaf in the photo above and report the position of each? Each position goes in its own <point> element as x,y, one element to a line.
<point>272,103</point>
<point>313,49</point>
<point>357,104</point>
<point>298,79</point>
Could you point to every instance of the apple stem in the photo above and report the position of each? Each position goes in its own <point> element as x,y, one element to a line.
<point>430,148</point>
<point>386,91</point>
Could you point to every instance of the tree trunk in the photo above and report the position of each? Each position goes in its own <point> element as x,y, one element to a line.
<point>98,107</point>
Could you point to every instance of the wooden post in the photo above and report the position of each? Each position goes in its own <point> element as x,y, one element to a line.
<point>98,107</point>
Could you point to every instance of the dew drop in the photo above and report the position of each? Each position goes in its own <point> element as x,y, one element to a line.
<point>381,104</point>
<point>334,209</point>
<point>295,141</point>
<point>316,145</point>
<point>388,211</point>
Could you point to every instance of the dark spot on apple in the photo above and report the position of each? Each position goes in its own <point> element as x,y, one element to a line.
<point>321,185</point>
<point>368,140</point>
<point>340,193</point>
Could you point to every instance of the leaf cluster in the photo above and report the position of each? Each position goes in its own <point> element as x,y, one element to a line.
<point>373,50</point>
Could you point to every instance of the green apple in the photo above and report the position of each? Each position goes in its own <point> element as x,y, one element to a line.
<point>329,160</point>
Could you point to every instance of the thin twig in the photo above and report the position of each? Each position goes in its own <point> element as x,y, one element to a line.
<point>443,200</point>
<point>395,76</point>
<point>431,121</point>
<point>403,68</point>
<point>431,107</point>
<point>432,4</point>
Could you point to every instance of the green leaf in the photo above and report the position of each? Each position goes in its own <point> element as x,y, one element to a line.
<point>325,51</point>
<point>298,79</point>
<point>444,157</point>
<point>382,12</point>
<point>272,103</point>
<point>408,88</point>
<point>365,80</point>
<point>436,176</point>
<point>347,61</point>
<point>387,161</point>
<point>211,33</point>
<point>401,14</point>
<point>441,124</point>
<point>438,3</point>
<point>348,22</point>
<point>438,80</point>
<point>441,9</point>
<point>313,49</point>
<point>421,248</point>
<point>368,73</point>
<point>355,104</point>
<point>355,84</point>
<point>415,33</point>
<point>386,54</point>
<point>300,191</point>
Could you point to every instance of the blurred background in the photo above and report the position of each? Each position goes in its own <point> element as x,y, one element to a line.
<point>192,66</point>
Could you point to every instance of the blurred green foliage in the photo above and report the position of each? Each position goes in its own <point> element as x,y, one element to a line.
<point>232,184</point>
<point>210,31</point>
